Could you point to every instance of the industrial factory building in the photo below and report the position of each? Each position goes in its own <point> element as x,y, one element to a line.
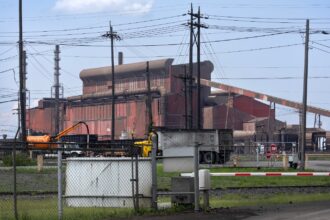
<point>170,103</point>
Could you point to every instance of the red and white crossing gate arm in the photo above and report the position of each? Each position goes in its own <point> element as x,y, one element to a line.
<point>265,174</point>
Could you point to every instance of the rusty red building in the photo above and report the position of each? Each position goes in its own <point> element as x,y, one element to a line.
<point>169,95</point>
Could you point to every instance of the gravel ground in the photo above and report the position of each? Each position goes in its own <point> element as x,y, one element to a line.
<point>310,211</point>
<point>271,190</point>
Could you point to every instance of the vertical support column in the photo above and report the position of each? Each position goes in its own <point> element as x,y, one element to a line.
<point>303,130</point>
<point>185,97</point>
<point>113,118</point>
<point>154,139</point>
<point>137,182</point>
<point>22,94</point>
<point>199,106</point>
<point>132,180</point>
<point>57,89</point>
<point>190,124</point>
<point>59,185</point>
<point>149,100</point>
<point>196,177</point>
<point>15,180</point>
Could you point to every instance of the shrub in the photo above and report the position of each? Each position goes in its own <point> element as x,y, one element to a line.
<point>22,159</point>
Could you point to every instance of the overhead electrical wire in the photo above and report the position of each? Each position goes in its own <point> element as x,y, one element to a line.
<point>12,100</point>
<point>268,18</point>
<point>320,44</point>
<point>158,45</point>
<point>96,27</point>
<point>8,70</point>
<point>272,78</point>
<point>6,51</point>
<point>325,51</point>
<point>209,52</point>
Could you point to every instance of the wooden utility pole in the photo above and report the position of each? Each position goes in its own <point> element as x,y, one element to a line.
<point>303,129</point>
<point>57,89</point>
<point>22,92</point>
<point>185,97</point>
<point>199,123</point>
<point>112,35</point>
<point>190,112</point>
<point>198,44</point>
<point>149,100</point>
<point>113,119</point>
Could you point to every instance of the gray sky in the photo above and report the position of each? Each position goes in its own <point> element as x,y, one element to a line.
<point>255,44</point>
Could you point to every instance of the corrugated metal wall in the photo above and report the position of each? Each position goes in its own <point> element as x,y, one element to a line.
<point>215,117</point>
<point>252,107</point>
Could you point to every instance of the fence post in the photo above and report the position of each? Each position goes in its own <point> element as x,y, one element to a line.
<point>196,176</point>
<point>59,185</point>
<point>154,171</point>
<point>137,181</point>
<point>15,182</point>
<point>133,179</point>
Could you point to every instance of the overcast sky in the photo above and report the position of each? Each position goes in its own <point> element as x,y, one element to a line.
<point>256,44</point>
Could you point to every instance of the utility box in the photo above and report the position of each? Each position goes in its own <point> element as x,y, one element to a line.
<point>184,185</point>
<point>204,179</point>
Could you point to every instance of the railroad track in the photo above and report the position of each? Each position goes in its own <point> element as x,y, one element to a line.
<point>271,190</point>
<point>219,191</point>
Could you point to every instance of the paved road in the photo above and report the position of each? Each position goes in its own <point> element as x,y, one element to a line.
<point>299,211</point>
<point>310,211</point>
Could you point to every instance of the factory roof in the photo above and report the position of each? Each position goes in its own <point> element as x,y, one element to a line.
<point>125,70</point>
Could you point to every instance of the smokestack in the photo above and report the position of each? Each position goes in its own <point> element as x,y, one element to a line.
<point>120,58</point>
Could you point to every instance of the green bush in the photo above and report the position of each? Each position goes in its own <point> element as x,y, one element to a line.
<point>22,159</point>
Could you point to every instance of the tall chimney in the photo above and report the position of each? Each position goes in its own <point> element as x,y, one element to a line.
<point>120,58</point>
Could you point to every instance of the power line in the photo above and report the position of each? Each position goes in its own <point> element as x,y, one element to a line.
<point>262,48</point>
<point>6,51</point>
<point>272,78</point>
<point>8,58</point>
<point>159,45</point>
<point>8,70</point>
<point>96,27</point>
<point>269,18</point>
<point>321,44</point>
<point>325,51</point>
<point>12,100</point>
<point>211,52</point>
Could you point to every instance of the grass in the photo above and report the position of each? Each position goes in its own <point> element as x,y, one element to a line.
<point>46,207</point>
<point>164,179</point>
<point>22,159</point>
<point>323,158</point>
<point>241,200</point>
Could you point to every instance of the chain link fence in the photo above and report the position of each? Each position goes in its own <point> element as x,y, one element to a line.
<point>70,182</point>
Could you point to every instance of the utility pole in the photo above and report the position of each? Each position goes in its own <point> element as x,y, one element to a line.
<point>199,123</point>
<point>185,97</point>
<point>303,130</point>
<point>199,100</point>
<point>22,92</point>
<point>57,89</point>
<point>190,124</point>
<point>199,26</point>
<point>27,93</point>
<point>149,100</point>
<point>112,35</point>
